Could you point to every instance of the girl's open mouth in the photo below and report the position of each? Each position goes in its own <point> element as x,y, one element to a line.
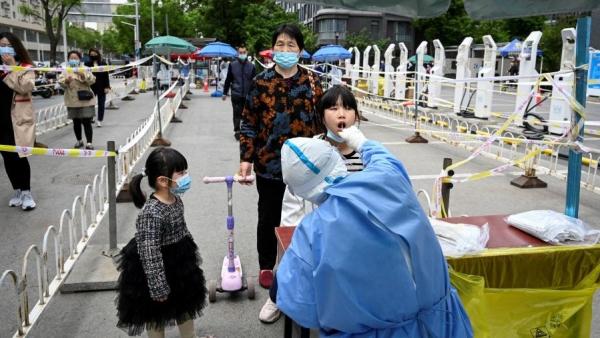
<point>341,125</point>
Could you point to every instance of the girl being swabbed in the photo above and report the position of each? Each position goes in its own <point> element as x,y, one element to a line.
<point>336,110</point>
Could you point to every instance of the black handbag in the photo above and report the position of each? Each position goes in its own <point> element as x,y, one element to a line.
<point>85,95</point>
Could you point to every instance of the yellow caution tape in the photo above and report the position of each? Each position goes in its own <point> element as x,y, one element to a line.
<point>26,151</point>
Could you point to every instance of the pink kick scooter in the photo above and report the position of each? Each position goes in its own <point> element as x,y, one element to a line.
<point>232,277</point>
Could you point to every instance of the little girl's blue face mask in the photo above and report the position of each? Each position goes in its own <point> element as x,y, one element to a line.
<point>183,183</point>
<point>74,63</point>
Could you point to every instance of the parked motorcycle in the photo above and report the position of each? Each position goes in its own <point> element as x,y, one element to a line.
<point>43,88</point>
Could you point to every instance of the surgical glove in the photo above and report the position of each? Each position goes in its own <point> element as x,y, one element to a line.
<point>354,137</point>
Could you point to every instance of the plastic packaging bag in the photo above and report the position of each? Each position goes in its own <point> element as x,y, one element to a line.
<point>457,240</point>
<point>554,227</point>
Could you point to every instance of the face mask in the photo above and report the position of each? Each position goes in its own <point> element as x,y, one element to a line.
<point>7,50</point>
<point>74,63</point>
<point>242,57</point>
<point>334,136</point>
<point>285,60</point>
<point>184,184</point>
<point>94,57</point>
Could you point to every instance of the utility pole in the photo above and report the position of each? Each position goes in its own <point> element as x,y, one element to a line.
<point>64,34</point>
<point>152,14</point>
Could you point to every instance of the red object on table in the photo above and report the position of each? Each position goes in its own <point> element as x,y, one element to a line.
<point>170,95</point>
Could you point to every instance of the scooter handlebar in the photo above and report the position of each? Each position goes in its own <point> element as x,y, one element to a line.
<point>219,179</point>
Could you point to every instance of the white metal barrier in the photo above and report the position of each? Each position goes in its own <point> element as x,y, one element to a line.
<point>78,224</point>
<point>509,148</point>
<point>55,117</point>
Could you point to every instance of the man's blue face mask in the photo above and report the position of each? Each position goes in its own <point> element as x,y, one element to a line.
<point>243,57</point>
<point>285,60</point>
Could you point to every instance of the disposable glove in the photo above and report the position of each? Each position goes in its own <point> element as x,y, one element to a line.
<point>354,137</point>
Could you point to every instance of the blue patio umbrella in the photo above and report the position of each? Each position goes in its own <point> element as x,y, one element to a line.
<point>215,50</point>
<point>305,54</point>
<point>331,53</point>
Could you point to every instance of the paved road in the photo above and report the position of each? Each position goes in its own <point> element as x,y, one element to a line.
<point>504,102</point>
<point>55,182</point>
<point>207,141</point>
<point>40,102</point>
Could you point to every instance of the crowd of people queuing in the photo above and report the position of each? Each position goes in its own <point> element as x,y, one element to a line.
<point>364,260</point>
<point>83,92</point>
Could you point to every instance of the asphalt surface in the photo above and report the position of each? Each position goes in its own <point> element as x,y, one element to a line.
<point>206,139</point>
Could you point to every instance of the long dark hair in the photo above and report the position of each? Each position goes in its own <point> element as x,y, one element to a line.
<point>330,99</point>
<point>161,162</point>
<point>95,50</point>
<point>21,54</point>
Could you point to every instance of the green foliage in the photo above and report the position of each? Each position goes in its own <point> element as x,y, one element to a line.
<point>262,19</point>
<point>83,38</point>
<point>452,27</point>
<point>233,21</point>
<point>51,13</point>
<point>363,39</point>
<point>551,42</point>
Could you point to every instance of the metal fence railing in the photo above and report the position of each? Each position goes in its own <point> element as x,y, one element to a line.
<point>62,246</point>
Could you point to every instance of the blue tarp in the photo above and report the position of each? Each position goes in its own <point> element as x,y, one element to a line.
<point>514,48</point>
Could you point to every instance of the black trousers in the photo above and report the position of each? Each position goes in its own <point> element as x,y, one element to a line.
<point>238,106</point>
<point>270,197</point>
<point>87,128</point>
<point>17,168</point>
<point>101,97</point>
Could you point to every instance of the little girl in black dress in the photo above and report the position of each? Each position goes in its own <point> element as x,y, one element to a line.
<point>161,282</point>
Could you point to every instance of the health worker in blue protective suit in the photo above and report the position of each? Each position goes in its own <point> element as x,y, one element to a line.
<point>366,262</point>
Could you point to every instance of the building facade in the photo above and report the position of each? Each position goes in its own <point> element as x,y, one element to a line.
<point>334,25</point>
<point>32,32</point>
<point>29,29</point>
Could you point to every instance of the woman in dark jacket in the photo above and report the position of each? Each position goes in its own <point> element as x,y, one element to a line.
<point>102,85</point>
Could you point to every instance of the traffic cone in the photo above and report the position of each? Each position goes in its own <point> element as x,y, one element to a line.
<point>205,89</point>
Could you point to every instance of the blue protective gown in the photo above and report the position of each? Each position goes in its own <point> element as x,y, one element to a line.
<point>367,263</point>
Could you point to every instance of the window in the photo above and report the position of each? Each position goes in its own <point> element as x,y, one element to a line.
<point>402,32</point>
<point>374,29</point>
<point>5,6</point>
<point>329,27</point>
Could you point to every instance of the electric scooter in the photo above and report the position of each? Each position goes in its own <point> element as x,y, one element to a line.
<point>232,277</point>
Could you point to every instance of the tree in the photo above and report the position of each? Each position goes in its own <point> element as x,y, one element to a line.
<point>452,27</point>
<point>84,38</point>
<point>551,42</point>
<point>362,39</point>
<point>52,13</point>
<point>182,22</point>
<point>262,19</point>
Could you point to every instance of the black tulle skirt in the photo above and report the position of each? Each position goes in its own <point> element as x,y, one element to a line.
<point>137,311</point>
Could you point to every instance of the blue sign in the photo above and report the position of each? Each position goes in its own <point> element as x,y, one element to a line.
<point>594,74</point>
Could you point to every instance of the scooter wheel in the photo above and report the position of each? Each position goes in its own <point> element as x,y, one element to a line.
<point>251,292</point>
<point>212,291</point>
